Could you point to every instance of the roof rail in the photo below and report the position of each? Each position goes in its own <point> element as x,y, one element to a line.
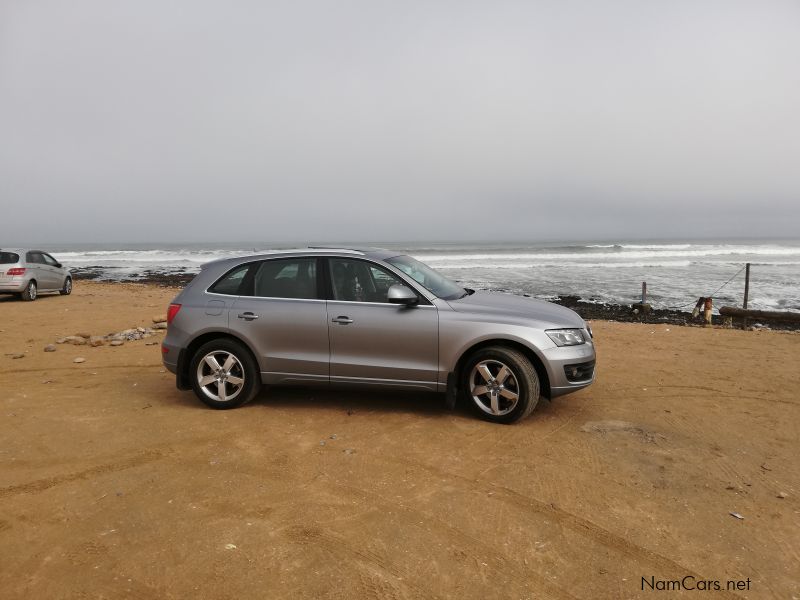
<point>341,249</point>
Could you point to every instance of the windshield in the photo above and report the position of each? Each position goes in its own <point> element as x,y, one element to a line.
<point>439,285</point>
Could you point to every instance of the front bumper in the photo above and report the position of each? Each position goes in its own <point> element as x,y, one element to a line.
<point>570,368</point>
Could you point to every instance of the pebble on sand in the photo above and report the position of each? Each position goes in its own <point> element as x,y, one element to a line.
<point>17,356</point>
<point>116,343</point>
<point>50,348</point>
<point>80,359</point>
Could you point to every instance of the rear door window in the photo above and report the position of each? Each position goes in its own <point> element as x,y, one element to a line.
<point>8,258</point>
<point>287,278</point>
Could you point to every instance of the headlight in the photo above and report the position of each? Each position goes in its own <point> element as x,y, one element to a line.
<point>566,337</point>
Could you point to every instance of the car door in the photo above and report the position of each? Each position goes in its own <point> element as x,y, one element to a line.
<point>373,341</point>
<point>42,273</point>
<point>56,273</point>
<point>283,317</point>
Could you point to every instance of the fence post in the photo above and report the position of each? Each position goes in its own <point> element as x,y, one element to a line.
<point>746,284</point>
<point>746,291</point>
<point>642,307</point>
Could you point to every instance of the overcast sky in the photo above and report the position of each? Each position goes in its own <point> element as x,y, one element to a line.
<point>148,121</point>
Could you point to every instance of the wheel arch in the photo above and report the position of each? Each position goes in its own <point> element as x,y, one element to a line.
<point>527,351</point>
<point>30,281</point>
<point>186,354</point>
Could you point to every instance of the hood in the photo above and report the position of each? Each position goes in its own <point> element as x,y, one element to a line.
<point>509,305</point>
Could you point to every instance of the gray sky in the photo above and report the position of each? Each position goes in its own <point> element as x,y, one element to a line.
<point>417,120</point>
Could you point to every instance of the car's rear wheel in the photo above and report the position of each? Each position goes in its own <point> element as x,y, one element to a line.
<point>67,289</point>
<point>29,295</point>
<point>501,384</point>
<point>223,374</point>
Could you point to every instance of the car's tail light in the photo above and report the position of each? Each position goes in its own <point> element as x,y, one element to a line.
<point>15,271</point>
<point>172,311</point>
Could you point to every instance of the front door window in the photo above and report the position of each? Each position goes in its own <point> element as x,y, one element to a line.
<point>360,281</point>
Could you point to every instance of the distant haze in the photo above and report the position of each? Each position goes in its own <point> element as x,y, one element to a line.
<point>200,121</point>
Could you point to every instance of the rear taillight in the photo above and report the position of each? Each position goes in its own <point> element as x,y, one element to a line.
<point>15,271</point>
<point>172,311</point>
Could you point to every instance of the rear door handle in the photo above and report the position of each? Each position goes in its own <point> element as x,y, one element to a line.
<point>248,316</point>
<point>342,320</point>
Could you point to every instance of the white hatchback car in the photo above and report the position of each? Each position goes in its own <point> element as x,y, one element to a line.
<point>27,273</point>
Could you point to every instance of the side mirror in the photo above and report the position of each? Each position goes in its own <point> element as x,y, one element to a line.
<point>58,265</point>
<point>400,294</point>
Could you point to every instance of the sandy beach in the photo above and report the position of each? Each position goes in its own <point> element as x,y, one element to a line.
<point>116,485</point>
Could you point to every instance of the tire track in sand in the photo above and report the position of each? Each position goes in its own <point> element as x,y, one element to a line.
<point>499,567</point>
<point>343,552</point>
<point>40,485</point>
<point>573,522</point>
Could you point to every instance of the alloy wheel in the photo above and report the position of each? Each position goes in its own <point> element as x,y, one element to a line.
<point>494,387</point>
<point>220,376</point>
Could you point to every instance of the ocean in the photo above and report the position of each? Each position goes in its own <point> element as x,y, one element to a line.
<point>676,272</point>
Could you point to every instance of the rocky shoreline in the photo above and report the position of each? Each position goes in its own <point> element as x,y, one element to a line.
<point>587,310</point>
<point>177,278</point>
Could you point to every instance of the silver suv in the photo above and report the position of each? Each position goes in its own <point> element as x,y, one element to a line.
<point>27,273</point>
<point>369,318</point>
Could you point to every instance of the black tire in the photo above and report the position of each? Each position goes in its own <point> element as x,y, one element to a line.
<point>525,384</point>
<point>31,292</point>
<point>67,289</point>
<point>244,367</point>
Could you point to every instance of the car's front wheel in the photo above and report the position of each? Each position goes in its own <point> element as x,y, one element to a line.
<point>29,295</point>
<point>223,374</point>
<point>501,384</point>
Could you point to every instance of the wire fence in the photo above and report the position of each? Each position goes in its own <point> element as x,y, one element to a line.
<point>711,295</point>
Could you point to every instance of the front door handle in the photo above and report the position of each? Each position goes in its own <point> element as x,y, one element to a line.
<point>342,320</point>
<point>248,316</point>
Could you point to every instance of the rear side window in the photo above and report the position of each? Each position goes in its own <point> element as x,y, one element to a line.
<point>232,282</point>
<point>34,258</point>
<point>287,278</point>
<point>8,258</point>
